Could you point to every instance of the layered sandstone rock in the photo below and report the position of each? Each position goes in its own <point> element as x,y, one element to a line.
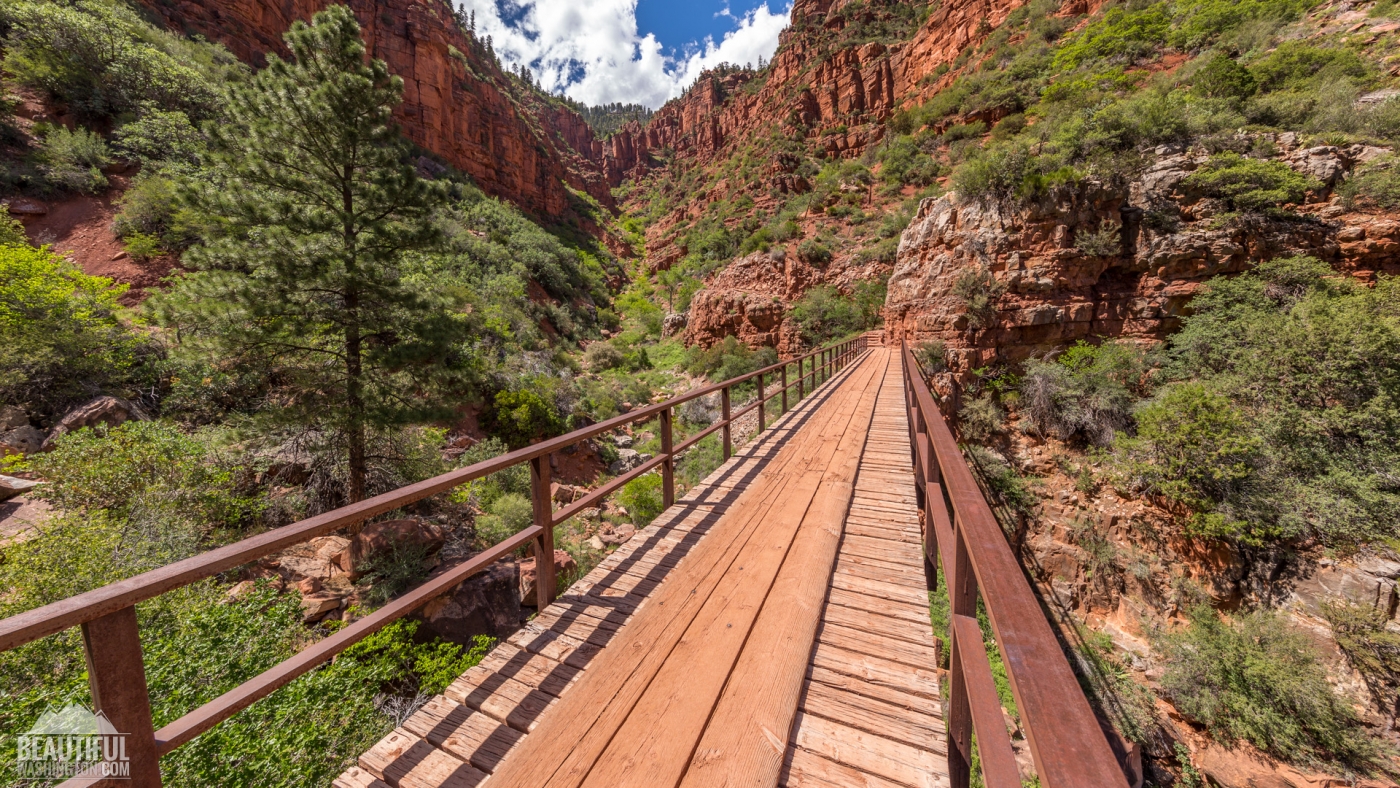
<point>1172,240</point>
<point>457,102</point>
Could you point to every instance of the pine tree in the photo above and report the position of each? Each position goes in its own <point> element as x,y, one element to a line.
<point>315,203</point>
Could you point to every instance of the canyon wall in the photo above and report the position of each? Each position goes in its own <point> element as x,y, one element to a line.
<point>857,87</point>
<point>457,104</point>
<point>1169,243</point>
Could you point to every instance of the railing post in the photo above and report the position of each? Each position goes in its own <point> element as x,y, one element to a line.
<point>728,436</point>
<point>962,597</point>
<point>785,389</point>
<point>117,677</point>
<point>801,378</point>
<point>668,466</point>
<point>762,405</point>
<point>544,543</point>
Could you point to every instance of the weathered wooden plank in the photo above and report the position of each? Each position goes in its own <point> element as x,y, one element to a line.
<point>875,716</point>
<point>655,743</point>
<point>535,670</point>
<point>516,704</point>
<point>806,769</point>
<point>879,588</point>
<point>405,761</point>
<point>878,605</point>
<point>917,705</point>
<point>872,754</point>
<point>468,735</point>
<point>877,670</point>
<point>746,737</point>
<point>915,655</point>
<point>921,634</point>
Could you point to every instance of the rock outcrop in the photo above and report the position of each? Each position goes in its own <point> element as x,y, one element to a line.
<point>1171,239</point>
<point>457,102</point>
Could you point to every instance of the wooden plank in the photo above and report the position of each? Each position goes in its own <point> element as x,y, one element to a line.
<point>884,531</point>
<point>516,704</point>
<point>882,549</point>
<point>535,670</point>
<point>915,655</point>
<point>872,754</point>
<point>879,625</point>
<point>746,737</point>
<point>355,777</point>
<point>917,705</point>
<point>655,743</point>
<point>879,606</point>
<point>806,769</point>
<point>891,591</point>
<point>468,735</point>
<point>405,761</point>
<point>571,737</point>
<point>875,716</point>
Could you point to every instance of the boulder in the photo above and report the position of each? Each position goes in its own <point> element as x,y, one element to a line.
<point>622,535</point>
<point>487,603</point>
<point>111,411</point>
<point>314,607</point>
<point>563,562</point>
<point>673,324</point>
<point>379,537</point>
<point>11,487</point>
<point>12,418</point>
<point>21,440</point>
<point>627,459</point>
<point>622,441</point>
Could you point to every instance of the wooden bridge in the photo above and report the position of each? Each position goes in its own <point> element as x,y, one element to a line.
<point>769,628</point>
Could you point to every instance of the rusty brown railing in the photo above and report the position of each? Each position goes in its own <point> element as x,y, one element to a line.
<point>107,615</point>
<point>1068,746</point>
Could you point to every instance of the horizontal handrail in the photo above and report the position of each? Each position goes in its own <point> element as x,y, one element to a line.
<point>107,614</point>
<point>58,616</point>
<point>1068,745</point>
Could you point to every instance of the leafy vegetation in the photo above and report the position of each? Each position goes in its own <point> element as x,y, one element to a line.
<point>1256,680</point>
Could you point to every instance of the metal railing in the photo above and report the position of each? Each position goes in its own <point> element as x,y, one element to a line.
<point>107,615</point>
<point>1069,747</point>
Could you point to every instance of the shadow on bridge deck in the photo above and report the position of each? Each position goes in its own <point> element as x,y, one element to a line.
<point>771,628</point>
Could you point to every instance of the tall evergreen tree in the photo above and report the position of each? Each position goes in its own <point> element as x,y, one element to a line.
<point>315,203</point>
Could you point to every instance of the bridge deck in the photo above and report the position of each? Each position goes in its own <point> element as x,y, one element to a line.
<point>770,629</point>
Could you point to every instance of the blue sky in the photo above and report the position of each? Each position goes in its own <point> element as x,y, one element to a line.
<point>682,26</point>
<point>629,51</point>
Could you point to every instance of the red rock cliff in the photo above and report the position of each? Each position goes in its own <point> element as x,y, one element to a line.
<point>457,102</point>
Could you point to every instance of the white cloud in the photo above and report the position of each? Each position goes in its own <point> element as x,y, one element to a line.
<point>593,51</point>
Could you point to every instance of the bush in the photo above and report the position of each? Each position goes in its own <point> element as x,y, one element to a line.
<point>642,499</point>
<point>1193,448</point>
<point>512,480</point>
<point>1120,35</point>
<point>505,517</point>
<point>60,338</point>
<point>979,291</point>
<point>825,314</point>
<point>161,138</point>
<point>1004,483</point>
<point>602,356</point>
<point>932,356</point>
<point>980,418</point>
<point>1222,77</point>
<point>1308,362</point>
<point>1107,241</point>
<point>523,415</point>
<point>1258,680</point>
<point>814,252</point>
<point>73,160</point>
<point>1377,184</point>
<point>1087,392</point>
<point>1251,184</point>
<point>103,60</point>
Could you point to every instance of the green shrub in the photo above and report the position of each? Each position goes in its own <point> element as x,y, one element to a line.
<point>1297,64</point>
<point>1119,35</point>
<point>981,418</point>
<point>903,163</point>
<point>1251,184</point>
<point>824,313</point>
<point>505,517</point>
<point>161,138</point>
<point>966,131</point>
<point>932,356</point>
<point>1194,447</point>
<point>103,60</point>
<point>1107,241</point>
<point>1258,680</point>
<point>1223,77</point>
<point>60,337</point>
<point>1005,484</point>
<point>979,291</point>
<point>1371,648</point>
<point>642,499</point>
<point>515,479</point>
<point>73,160</point>
<point>1377,183</point>
<point>523,415</point>
<point>1087,392</point>
<point>142,247</point>
<point>814,252</point>
<point>602,356</point>
<point>1199,22</point>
